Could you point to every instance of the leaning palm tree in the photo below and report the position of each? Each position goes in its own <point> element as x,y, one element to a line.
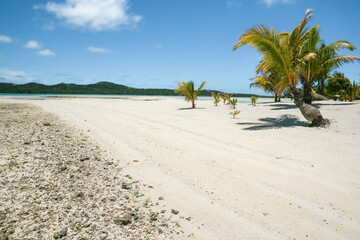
<point>319,59</point>
<point>187,89</point>
<point>281,53</point>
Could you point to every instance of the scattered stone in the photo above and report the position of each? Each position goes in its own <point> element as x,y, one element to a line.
<point>26,143</point>
<point>80,194</point>
<point>173,211</point>
<point>265,214</point>
<point>103,235</point>
<point>63,168</point>
<point>125,185</point>
<point>47,124</point>
<point>63,233</point>
<point>153,217</point>
<point>122,220</point>
<point>84,159</point>
<point>161,198</point>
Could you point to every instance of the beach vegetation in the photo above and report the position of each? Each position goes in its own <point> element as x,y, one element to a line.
<point>227,97</point>
<point>236,112</point>
<point>233,102</point>
<point>269,83</point>
<point>187,90</point>
<point>216,97</point>
<point>318,60</point>
<point>253,100</point>
<point>354,92</point>
<point>223,97</point>
<point>282,55</point>
<point>340,87</point>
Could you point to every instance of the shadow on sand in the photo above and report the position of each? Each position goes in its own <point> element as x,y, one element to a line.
<point>189,108</point>
<point>319,104</point>
<point>282,106</point>
<point>271,123</point>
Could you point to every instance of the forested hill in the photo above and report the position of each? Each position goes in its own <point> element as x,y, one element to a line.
<point>97,88</point>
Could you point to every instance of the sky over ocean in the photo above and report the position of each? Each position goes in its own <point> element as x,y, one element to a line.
<point>155,44</point>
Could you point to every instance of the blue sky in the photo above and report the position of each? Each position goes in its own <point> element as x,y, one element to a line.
<point>157,43</point>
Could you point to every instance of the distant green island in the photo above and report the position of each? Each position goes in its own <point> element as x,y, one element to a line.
<point>106,88</point>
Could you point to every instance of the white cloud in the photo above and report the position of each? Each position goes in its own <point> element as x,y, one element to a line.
<point>98,50</point>
<point>14,76</point>
<point>93,14</point>
<point>46,52</point>
<point>32,44</point>
<point>269,3</point>
<point>5,39</point>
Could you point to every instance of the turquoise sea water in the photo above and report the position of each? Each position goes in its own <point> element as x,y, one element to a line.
<point>45,96</point>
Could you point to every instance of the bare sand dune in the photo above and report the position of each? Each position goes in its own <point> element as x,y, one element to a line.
<point>263,175</point>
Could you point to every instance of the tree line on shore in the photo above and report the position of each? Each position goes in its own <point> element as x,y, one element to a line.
<point>97,88</point>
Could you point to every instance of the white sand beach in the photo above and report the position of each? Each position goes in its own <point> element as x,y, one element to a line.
<point>263,175</point>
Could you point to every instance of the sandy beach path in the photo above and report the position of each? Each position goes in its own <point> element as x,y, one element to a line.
<point>265,175</point>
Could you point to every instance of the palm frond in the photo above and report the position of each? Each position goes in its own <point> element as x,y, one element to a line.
<point>338,45</point>
<point>338,61</point>
<point>201,87</point>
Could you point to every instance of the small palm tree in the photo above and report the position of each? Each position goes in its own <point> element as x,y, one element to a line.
<point>268,81</point>
<point>223,97</point>
<point>236,112</point>
<point>227,97</point>
<point>216,98</point>
<point>233,103</point>
<point>253,100</point>
<point>187,89</point>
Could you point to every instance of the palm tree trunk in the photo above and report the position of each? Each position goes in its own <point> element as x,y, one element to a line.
<point>307,93</point>
<point>193,103</point>
<point>311,113</point>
